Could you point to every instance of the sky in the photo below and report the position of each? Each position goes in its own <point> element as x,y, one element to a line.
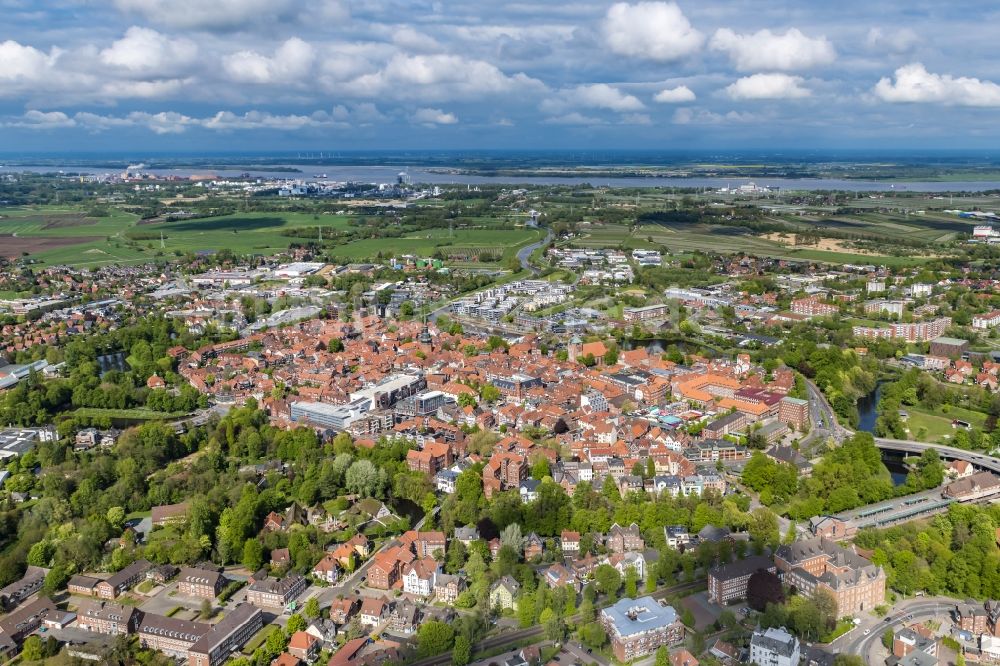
<point>266,75</point>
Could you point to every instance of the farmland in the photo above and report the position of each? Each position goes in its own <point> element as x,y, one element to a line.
<point>721,239</point>
<point>64,236</point>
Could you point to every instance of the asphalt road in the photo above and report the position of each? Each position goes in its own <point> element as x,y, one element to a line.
<point>918,609</point>
<point>524,254</point>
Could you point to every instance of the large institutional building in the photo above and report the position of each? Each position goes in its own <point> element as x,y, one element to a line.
<point>821,563</point>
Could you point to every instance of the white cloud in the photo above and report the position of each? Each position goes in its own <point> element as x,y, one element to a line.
<point>768,86</point>
<point>230,14</point>
<point>574,118</point>
<point>409,39</point>
<point>900,40</point>
<point>678,95</point>
<point>603,96</point>
<point>291,61</point>
<point>434,117</point>
<point>172,122</point>
<point>41,120</point>
<point>591,96</point>
<point>915,84</point>
<point>440,77</point>
<point>141,89</point>
<point>143,50</point>
<point>772,51</point>
<point>650,30</point>
<point>365,113</point>
<point>227,121</point>
<point>693,116</point>
<point>164,122</point>
<point>25,63</point>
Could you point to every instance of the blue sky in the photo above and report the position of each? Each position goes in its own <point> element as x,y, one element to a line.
<point>382,74</point>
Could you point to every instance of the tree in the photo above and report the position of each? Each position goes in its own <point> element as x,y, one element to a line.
<point>552,625</point>
<point>456,557</point>
<point>32,649</point>
<point>611,356</point>
<point>253,554</point>
<point>295,623</point>
<point>526,610</point>
<point>631,583</point>
<point>540,469</point>
<point>205,611</point>
<point>763,526</point>
<point>764,588</point>
<point>40,554</point>
<point>662,656</point>
<point>335,345</point>
<point>609,581</point>
<point>275,643</point>
<point>511,537</point>
<point>434,638</point>
<point>489,393</point>
<point>116,516</point>
<point>824,602</point>
<point>592,634</point>
<point>56,579</point>
<point>362,478</point>
<point>462,652</point>
<point>311,608</point>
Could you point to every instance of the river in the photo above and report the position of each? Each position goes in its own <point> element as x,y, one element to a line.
<point>867,415</point>
<point>868,409</point>
<point>437,176</point>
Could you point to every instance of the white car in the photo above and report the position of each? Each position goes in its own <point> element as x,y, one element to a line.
<point>868,631</point>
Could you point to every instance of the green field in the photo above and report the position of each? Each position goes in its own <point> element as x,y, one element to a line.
<point>736,239</point>
<point>65,236</point>
<point>722,239</point>
<point>938,426</point>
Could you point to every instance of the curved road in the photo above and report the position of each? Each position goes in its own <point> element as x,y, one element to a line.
<point>524,254</point>
<point>908,612</point>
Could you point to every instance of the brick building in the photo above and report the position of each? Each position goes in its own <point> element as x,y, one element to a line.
<point>821,563</point>
<point>622,539</point>
<point>172,636</point>
<point>728,582</point>
<point>637,627</point>
<point>231,633</point>
<point>202,583</point>
<point>123,580</point>
<point>503,471</point>
<point>106,617</point>
<point>794,412</point>
<point>273,593</point>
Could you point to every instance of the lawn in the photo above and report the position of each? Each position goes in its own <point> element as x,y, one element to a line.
<point>842,628</point>
<point>937,426</point>
<point>260,638</point>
